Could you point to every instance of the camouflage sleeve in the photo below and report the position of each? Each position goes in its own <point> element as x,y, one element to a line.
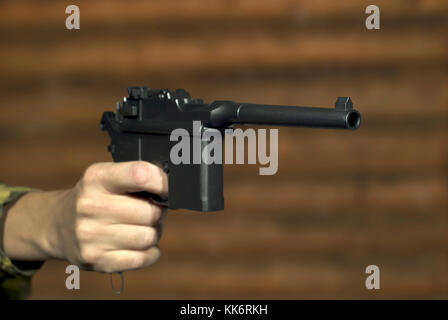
<point>15,276</point>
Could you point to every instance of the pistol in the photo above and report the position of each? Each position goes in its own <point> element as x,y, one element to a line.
<point>141,127</point>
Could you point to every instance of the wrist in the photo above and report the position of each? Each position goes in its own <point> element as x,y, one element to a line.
<point>52,239</point>
<point>31,226</point>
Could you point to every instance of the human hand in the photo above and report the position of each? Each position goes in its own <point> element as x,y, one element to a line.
<point>98,225</point>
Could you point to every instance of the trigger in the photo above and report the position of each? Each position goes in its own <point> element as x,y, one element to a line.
<point>158,200</point>
<point>155,198</point>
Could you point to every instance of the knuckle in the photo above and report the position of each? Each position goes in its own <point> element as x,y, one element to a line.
<point>155,214</point>
<point>93,173</point>
<point>85,205</point>
<point>83,231</point>
<point>87,254</point>
<point>140,172</point>
<point>137,261</point>
<point>149,237</point>
<point>81,205</point>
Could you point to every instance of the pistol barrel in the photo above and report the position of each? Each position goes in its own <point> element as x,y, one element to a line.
<point>343,118</point>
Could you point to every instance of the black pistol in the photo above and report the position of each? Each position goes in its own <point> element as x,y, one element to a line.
<point>141,126</point>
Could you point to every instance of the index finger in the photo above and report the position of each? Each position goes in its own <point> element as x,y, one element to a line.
<point>134,176</point>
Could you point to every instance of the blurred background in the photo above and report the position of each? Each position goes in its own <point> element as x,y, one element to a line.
<point>340,200</point>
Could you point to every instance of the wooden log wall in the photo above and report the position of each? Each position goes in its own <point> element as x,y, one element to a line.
<point>340,200</point>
